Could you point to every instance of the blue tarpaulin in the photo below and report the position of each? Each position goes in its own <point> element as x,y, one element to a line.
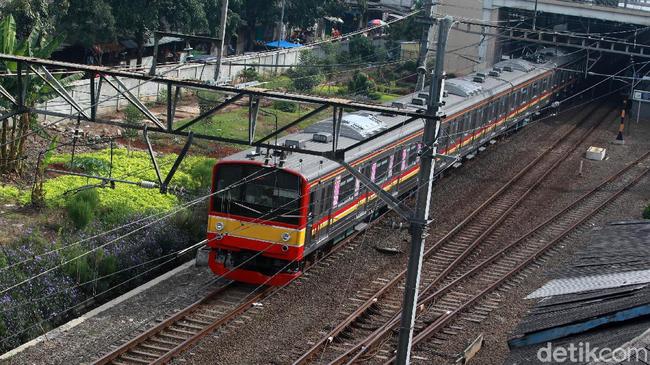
<point>282,44</point>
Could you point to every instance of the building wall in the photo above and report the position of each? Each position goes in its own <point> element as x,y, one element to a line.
<point>463,49</point>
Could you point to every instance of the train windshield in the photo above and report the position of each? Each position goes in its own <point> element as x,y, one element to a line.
<point>258,192</point>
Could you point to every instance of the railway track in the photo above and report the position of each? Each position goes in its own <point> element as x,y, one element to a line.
<point>381,303</point>
<point>461,293</point>
<point>173,335</point>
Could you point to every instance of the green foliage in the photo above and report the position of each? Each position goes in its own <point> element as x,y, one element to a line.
<point>9,193</point>
<point>87,22</point>
<point>646,212</point>
<point>361,84</point>
<point>361,49</point>
<point>303,77</point>
<point>90,165</point>
<point>249,74</point>
<point>285,106</point>
<point>81,207</point>
<point>201,173</point>
<point>116,205</point>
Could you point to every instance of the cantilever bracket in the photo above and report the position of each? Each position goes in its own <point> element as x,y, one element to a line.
<point>123,90</point>
<point>164,185</point>
<point>59,89</point>
<point>7,95</point>
<point>153,157</point>
<point>401,209</point>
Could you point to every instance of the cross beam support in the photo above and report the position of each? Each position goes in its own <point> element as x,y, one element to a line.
<point>209,112</point>
<point>401,209</point>
<point>119,86</point>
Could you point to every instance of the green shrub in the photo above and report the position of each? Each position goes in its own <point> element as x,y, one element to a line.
<point>361,84</point>
<point>249,74</point>
<point>646,212</point>
<point>90,165</point>
<point>81,207</point>
<point>303,77</point>
<point>9,193</point>
<point>285,106</point>
<point>201,174</point>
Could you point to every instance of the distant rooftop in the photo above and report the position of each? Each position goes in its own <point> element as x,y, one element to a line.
<point>602,296</point>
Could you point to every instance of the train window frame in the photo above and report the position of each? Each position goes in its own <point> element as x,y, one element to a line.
<point>382,164</point>
<point>396,169</point>
<point>524,96</point>
<point>366,170</point>
<point>346,189</point>
<point>412,154</point>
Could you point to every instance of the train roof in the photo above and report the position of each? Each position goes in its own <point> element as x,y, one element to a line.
<point>461,93</point>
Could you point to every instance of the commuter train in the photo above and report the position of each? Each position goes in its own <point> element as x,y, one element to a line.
<point>271,212</point>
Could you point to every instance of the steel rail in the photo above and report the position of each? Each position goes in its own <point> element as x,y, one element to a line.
<point>446,318</point>
<point>363,308</point>
<point>355,352</point>
<point>394,321</point>
<point>132,344</point>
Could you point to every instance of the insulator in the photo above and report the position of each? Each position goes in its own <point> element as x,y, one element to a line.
<point>148,184</point>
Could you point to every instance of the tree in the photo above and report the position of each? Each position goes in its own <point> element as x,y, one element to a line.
<point>304,78</point>
<point>30,14</point>
<point>14,131</point>
<point>88,22</point>
<point>138,19</point>
<point>304,13</point>
<point>361,84</point>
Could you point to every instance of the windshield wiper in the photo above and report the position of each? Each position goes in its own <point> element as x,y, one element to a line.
<point>245,206</point>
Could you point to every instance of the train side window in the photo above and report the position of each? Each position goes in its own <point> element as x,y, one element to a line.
<point>381,171</point>
<point>328,195</point>
<point>534,89</point>
<point>412,154</point>
<point>367,171</point>
<point>397,161</point>
<point>346,189</point>
<point>313,202</point>
<point>524,95</point>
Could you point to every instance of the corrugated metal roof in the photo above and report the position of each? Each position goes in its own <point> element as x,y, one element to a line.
<point>600,297</point>
<point>589,283</point>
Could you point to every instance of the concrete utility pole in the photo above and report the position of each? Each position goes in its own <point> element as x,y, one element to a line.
<point>223,21</point>
<point>535,16</point>
<point>426,41</point>
<point>420,220</point>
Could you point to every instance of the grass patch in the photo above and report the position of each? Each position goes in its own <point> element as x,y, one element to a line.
<point>9,194</point>
<point>234,124</point>
<point>115,205</point>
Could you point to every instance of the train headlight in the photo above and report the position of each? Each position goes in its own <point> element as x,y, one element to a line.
<point>286,236</point>
<point>219,226</point>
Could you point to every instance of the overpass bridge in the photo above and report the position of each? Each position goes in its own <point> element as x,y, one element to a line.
<point>621,11</point>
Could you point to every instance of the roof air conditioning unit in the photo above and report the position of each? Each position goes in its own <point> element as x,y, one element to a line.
<point>494,73</point>
<point>507,68</point>
<point>480,74</point>
<point>294,143</point>
<point>498,69</point>
<point>322,137</point>
<point>418,101</point>
<point>478,79</point>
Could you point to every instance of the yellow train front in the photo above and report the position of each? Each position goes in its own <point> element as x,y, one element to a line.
<point>273,210</point>
<point>256,225</point>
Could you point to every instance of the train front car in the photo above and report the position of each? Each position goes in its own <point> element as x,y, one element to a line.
<point>257,222</point>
